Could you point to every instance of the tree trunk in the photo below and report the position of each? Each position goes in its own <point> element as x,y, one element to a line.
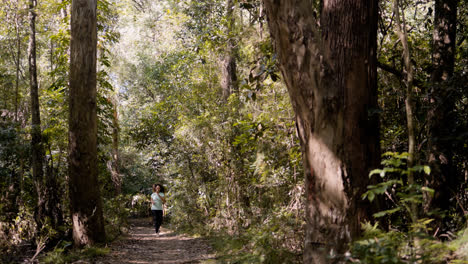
<point>442,179</point>
<point>37,150</point>
<point>53,202</point>
<point>19,175</point>
<point>18,55</point>
<point>330,74</point>
<point>85,198</point>
<point>229,76</point>
<point>115,174</point>
<point>408,80</point>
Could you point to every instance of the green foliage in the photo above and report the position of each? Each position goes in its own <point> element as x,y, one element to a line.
<point>227,163</point>
<point>395,246</point>
<point>136,173</point>
<point>116,213</point>
<point>234,250</point>
<point>377,246</point>
<point>14,233</point>
<point>259,244</point>
<point>270,241</point>
<point>395,184</point>
<point>408,239</point>
<point>232,166</point>
<point>140,205</point>
<point>63,253</point>
<point>460,244</point>
<point>12,151</point>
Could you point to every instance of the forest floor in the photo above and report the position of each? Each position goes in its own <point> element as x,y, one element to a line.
<point>143,246</point>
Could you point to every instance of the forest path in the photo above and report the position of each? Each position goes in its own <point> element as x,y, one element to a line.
<point>142,246</point>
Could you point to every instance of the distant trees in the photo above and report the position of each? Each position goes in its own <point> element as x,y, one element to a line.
<point>14,149</point>
<point>438,96</point>
<point>330,72</point>
<point>85,198</point>
<point>206,110</point>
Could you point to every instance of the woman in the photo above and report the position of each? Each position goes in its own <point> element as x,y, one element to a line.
<point>157,201</point>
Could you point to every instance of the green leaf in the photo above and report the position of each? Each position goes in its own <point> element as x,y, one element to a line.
<point>376,171</point>
<point>427,169</point>
<point>386,212</point>
<point>429,190</point>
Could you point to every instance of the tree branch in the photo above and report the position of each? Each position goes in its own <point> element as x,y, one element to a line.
<point>398,73</point>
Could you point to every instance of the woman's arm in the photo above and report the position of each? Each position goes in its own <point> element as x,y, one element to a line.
<point>162,198</point>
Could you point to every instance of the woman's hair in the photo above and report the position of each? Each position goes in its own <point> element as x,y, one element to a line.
<point>161,188</point>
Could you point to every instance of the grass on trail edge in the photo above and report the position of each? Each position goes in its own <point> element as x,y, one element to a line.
<point>65,254</point>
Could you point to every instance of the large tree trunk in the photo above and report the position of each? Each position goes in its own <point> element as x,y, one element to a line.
<point>330,74</point>
<point>442,179</point>
<point>37,150</point>
<point>85,198</point>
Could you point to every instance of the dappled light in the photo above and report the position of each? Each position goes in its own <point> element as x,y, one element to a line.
<point>233,131</point>
<point>143,246</point>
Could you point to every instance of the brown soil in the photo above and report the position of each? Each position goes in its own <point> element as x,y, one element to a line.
<point>143,246</point>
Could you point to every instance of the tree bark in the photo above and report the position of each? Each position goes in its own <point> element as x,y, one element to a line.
<point>19,175</point>
<point>115,173</point>
<point>442,179</point>
<point>53,201</point>
<point>408,80</point>
<point>85,198</point>
<point>330,73</point>
<point>18,55</point>
<point>37,150</point>
<point>229,67</point>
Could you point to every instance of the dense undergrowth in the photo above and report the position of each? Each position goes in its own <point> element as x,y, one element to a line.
<point>402,242</point>
<point>404,233</point>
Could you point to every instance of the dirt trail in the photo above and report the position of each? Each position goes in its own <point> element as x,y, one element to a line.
<point>142,246</point>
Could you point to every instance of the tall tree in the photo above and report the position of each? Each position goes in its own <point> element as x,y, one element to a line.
<point>18,58</point>
<point>330,72</point>
<point>402,34</point>
<point>36,138</point>
<point>85,198</point>
<point>442,104</point>
<point>229,75</point>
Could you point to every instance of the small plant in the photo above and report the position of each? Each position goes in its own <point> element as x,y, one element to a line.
<point>396,186</point>
<point>407,240</point>
<point>64,254</point>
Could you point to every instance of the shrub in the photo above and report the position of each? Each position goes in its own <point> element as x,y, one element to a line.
<point>116,213</point>
<point>406,241</point>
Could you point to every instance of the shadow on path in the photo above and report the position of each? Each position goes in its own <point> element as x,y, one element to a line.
<point>143,246</point>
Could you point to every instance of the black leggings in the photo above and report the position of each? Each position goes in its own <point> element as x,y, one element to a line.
<point>157,219</point>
